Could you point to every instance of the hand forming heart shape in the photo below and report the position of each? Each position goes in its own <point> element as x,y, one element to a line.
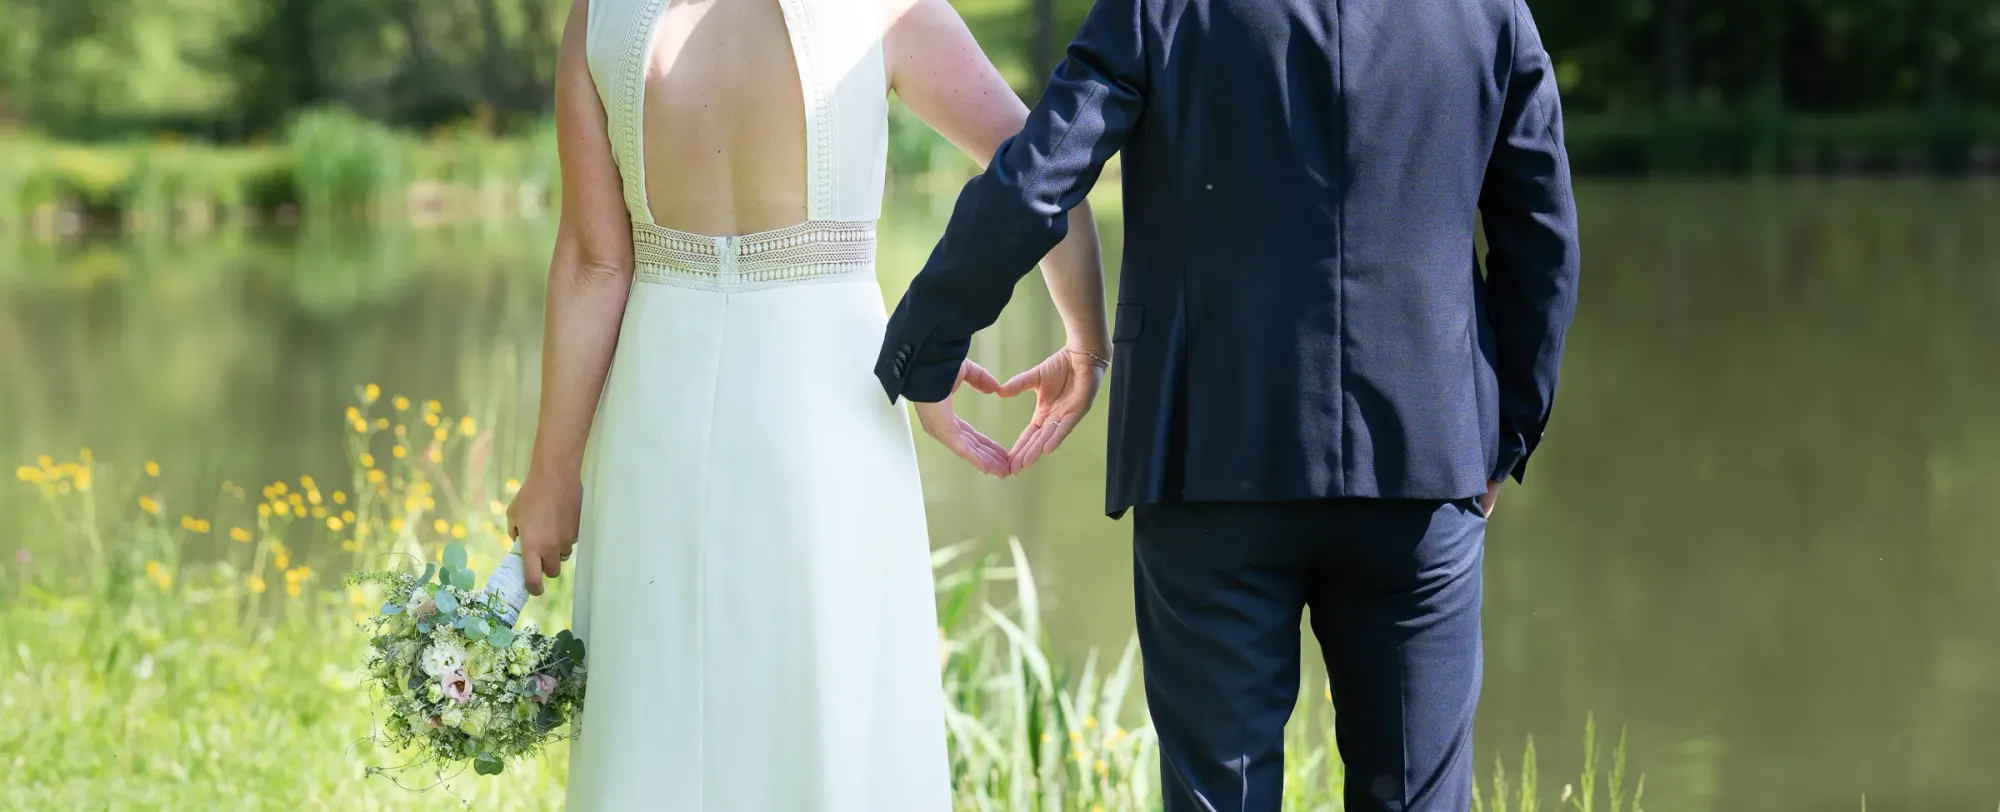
<point>1065,387</point>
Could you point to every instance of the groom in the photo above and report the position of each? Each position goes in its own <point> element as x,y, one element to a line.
<point>1316,390</point>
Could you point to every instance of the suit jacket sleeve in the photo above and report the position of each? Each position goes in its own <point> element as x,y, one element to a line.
<point>1532,261</point>
<point>1009,217</point>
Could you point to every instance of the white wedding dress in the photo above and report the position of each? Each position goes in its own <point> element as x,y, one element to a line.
<point>754,577</point>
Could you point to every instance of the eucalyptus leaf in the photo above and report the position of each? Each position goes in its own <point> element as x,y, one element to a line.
<point>391,608</point>
<point>487,764</point>
<point>424,626</point>
<point>501,637</point>
<point>445,602</point>
<point>429,571</point>
<point>454,556</point>
<point>477,628</point>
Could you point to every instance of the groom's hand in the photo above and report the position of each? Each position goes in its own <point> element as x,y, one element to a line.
<point>1491,498</point>
<point>1065,386</point>
<point>942,423</point>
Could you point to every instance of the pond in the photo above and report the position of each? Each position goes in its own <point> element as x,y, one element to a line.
<point>1761,532</point>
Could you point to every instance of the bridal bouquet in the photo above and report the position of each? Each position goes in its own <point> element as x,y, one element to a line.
<point>456,678</point>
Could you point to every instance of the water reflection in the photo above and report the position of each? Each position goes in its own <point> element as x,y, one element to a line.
<point>1761,531</point>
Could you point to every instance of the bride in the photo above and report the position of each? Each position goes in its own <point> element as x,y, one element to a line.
<point>753,569</point>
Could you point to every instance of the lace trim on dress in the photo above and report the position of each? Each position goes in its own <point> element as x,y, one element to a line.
<point>813,251</point>
<point>629,90</point>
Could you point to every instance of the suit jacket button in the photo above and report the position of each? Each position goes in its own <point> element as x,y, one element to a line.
<point>896,369</point>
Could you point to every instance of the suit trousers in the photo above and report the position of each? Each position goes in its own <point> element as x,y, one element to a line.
<point>1394,589</point>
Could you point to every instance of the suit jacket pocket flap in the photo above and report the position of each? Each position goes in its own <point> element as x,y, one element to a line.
<point>1129,320</point>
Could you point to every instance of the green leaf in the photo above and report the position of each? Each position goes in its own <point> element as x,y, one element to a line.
<point>477,628</point>
<point>391,608</point>
<point>487,764</point>
<point>454,556</point>
<point>501,637</point>
<point>429,571</point>
<point>459,577</point>
<point>445,602</point>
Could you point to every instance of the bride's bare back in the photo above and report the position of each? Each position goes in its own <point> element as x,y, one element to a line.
<point>725,123</point>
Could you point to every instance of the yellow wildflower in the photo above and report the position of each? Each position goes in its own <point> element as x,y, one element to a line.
<point>457,530</point>
<point>360,426</point>
<point>281,555</point>
<point>498,508</point>
<point>513,486</point>
<point>441,526</point>
<point>398,452</point>
<point>152,468</point>
<point>402,403</point>
<point>1117,733</point>
<point>83,455</point>
<point>356,597</point>
<point>433,407</point>
<point>334,523</point>
<point>376,476</point>
<point>319,512</point>
<point>431,419</point>
<point>352,545</point>
<point>150,505</point>
<point>82,477</point>
<point>339,497</point>
<point>347,516</point>
<point>264,510</point>
<point>202,526</point>
<point>353,415</point>
<point>1046,738</point>
<point>440,435</point>
<point>313,497</point>
<point>367,460</point>
<point>467,426</point>
<point>437,454</point>
<point>396,524</point>
<point>430,504</point>
<point>369,393</point>
<point>282,508</point>
<point>279,488</point>
<point>1082,756</point>
<point>308,483</point>
<point>381,423</point>
<point>298,502</point>
<point>28,473</point>
<point>159,575</point>
<point>239,535</point>
<point>1075,736</point>
<point>1102,768</point>
<point>1090,721</point>
<point>255,584</point>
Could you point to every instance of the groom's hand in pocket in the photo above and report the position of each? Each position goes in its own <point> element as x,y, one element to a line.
<point>543,517</point>
<point>943,424</point>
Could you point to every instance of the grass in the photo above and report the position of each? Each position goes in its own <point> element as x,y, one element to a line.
<point>155,655</point>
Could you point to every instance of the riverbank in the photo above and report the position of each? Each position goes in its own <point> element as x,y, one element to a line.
<point>333,165</point>
<point>176,651</point>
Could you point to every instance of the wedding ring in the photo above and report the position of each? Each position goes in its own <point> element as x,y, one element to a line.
<point>564,555</point>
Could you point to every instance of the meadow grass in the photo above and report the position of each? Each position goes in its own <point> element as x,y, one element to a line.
<point>160,657</point>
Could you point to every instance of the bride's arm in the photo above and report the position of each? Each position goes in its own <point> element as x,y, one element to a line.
<point>589,277</point>
<point>938,69</point>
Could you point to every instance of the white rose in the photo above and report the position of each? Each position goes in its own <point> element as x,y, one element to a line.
<point>454,717</point>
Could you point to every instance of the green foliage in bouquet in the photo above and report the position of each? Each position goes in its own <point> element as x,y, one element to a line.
<point>456,683</point>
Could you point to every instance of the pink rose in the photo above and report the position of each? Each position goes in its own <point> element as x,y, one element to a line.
<point>545,684</point>
<point>456,686</point>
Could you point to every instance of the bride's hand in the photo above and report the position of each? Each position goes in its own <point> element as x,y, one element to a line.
<point>1065,386</point>
<point>942,422</point>
<point>544,517</point>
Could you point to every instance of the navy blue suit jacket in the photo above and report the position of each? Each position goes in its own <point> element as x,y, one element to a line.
<point>1301,313</point>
